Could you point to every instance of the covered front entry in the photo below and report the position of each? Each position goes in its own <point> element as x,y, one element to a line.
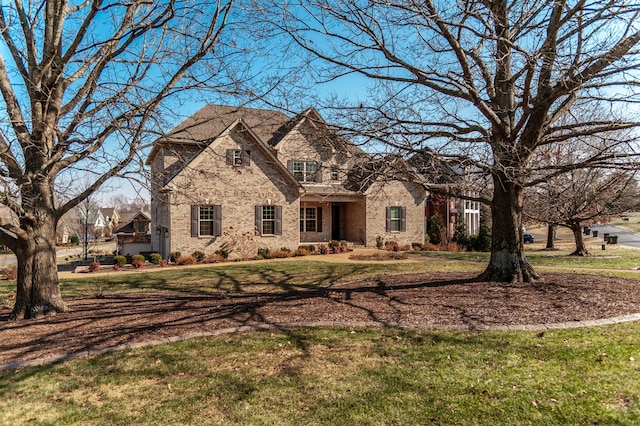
<point>323,221</point>
<point>336,222</point>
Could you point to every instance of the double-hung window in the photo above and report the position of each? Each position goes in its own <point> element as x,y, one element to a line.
<point>238,157</point>
<point>305,171</point>
<point>310,219</point>
<point>396,219</point>
<point>206,221</point>
<point>269,220</point>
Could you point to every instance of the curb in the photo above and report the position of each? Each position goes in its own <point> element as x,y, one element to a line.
<point>223,331</point>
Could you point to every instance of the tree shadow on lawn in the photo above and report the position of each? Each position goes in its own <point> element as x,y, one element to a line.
<point>421,299</point>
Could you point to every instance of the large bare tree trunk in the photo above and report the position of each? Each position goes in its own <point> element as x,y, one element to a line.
<point>581,248</point>
<point>38,291</point>
<point>507,262</point>
<point>551,236</point>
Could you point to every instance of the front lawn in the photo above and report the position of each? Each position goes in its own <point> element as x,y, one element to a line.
<point>375,376</point>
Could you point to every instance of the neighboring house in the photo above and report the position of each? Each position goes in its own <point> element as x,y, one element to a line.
<point>111,219</point>
<point>63,232</point>
<point>245,179</point>
<point>134,236</point>
<point>444,180</point>
<point>81,221</point>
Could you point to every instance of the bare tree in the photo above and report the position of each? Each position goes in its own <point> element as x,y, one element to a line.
<point>82,88</point>
<point>486,82</point>
<point>582,197</point>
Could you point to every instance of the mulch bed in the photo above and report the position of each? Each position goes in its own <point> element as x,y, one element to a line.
<point>409,299</point>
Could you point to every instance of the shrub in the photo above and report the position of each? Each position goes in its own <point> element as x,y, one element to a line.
<point>309,248</point>
<point>198,255</point>
<point>302,251</point>
<point>186,260</point>
<point>264,253</point>
<point>10,272</point>
<point>323,249</point>
<point>74,240</point>
<point>435,229</point>
<point>94,266</point>
<point>119,260</point>
<point>281,253</point>
<point>334,243</point>
<point>405,247</point>
<point>416,246</point>
<point>223,253</point>
<point>155,258</point>
<point>173,256</point>
<point>137,257</point>
<point>379,242</point>
<point>137,263</point>
<point>213,258</point>
<point>343,248</point>
<point>391,246</point>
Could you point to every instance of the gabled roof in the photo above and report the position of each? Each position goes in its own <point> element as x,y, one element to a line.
<point>266,150</point>
<point>127,228</point>
<point>211,120</point>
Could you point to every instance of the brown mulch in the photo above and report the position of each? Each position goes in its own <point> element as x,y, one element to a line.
<point>422,299</point>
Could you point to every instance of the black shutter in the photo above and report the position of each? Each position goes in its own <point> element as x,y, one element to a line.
<point>246,158</point>
<point>403,219</point>
<point>278,224</point>
<point>319,217</point>
<point>195,215</point>
<point>388,221</point>
<point>259,220</point>
<point>230,156</point>
<point>217,221</point>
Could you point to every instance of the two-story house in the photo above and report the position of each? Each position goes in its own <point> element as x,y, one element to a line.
<point>231,175</point>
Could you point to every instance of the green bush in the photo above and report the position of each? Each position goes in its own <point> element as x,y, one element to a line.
<point>435,229</point>
<point>138,257</point>
<point>119,260</point>
<point>173,256</point>
<point>223,253</point>
<point>198,255</point>
<point>155,258</point>
<point>263,252</point>
<point>379,242</point>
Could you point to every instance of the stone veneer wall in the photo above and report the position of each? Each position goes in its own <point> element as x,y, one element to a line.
<point>389,194</point>
<point>238,189</point>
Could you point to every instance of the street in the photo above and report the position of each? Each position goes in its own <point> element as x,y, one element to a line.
<point>625,237</point>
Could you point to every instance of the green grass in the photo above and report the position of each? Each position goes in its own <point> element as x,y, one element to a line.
<point>376,376</point>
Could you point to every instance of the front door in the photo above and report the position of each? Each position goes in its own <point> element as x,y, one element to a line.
<point>335,223</point>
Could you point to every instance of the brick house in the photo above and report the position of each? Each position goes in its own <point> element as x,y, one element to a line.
<point>245,179</point>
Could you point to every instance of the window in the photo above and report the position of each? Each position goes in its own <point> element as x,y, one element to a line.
<point>238,157</point>
<point>311,219</point>
<point>269,220</point>
<point>334,173</point>
<point>396,219</point>
<point>206,221</point>
<point>306,171</point>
